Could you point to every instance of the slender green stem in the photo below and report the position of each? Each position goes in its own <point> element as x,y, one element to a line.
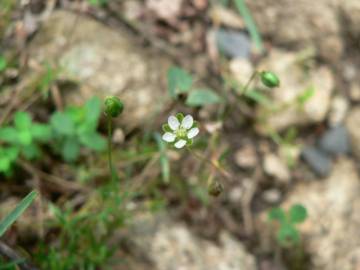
<point>246,87</point>
<point>111,168</point>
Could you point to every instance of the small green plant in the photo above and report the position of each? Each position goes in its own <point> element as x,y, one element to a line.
<point>76,127</point>
<point>181,82</point>
<point>82,241</point>
<point>288,234</point>
<point>23,138</point>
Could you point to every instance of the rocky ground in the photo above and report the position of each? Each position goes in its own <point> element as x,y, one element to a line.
<point>302,147</point>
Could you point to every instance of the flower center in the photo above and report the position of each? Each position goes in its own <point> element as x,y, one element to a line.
<point>181,133</point>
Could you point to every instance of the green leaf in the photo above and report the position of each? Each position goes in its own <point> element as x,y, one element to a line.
<point>93,111</point>
<point>77,114</point>
<point>297,214</point>
<point>11,153</point>
<point>202,97</point>
<point>22,120</point>
<point>278,214</point>
<point>3,63</point>
<point>71,149</point>
<point>41,132</point>
<point>62,123</point>
<point>15,214</point>
<point>24,137</point>
<point>288,235</point>
<point>179,81</point>
<point>258,97</point>
<point>164,160</point>
<point>31,151</point>
<point>5,164</point>
<point>93,141</point>
<point>9,135</point>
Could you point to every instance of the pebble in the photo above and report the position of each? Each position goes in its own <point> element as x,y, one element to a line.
<point>234,44</point>
<point>246,157</point>
<point>276,168</point>
<point>338,109</point>
<point>272,196</point>
<point>335,141</point>
<point>319,162</point>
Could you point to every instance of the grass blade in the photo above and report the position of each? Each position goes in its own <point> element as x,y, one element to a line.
<point>19,209</point>
<point>250,24</point>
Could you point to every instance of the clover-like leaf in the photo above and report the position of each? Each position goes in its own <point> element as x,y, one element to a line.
<point>278,214</point>
<point>288,235</point>
<point>297,214</point>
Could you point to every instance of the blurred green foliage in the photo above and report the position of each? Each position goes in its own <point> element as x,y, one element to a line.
<point>23,138</point>
<point>76,127</point>
<point>288,234</point>
<point>66,134</point>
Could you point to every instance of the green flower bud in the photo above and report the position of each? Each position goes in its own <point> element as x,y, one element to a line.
<point>215,188</point>
<point>113,106</point>
<point>269,79</point>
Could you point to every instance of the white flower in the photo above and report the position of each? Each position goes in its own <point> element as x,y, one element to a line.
<point>180,130</point>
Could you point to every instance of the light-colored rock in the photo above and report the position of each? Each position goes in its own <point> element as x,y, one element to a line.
<point>331,232</point>
<point>353,127</point>
<point>276,168</point>
<point>118,136</point>
<point>286,109</point>
<point>164,9</point>
<point>168,245</point>
<point>226,17</point>
<point>355,91</point>
<point>241,69</point>
<point>300,24</point>
<point>338,109</point>
<point>246,157</point>
<point>272,196</point>
<point>104,62</point>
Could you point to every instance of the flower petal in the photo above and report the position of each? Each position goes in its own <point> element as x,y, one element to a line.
<point>173,122</point>
<point>187,122</point>
<point>192,133</point>
<point>169,137</point>
<point>180,144</point>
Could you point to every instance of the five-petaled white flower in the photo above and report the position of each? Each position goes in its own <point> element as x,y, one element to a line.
<point>180,130</point>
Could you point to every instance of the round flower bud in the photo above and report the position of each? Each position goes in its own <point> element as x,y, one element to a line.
<point>269,79</point>
<point>215,188</point>
<point>113,106</point>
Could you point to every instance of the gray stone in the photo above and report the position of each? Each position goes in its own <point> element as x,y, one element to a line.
<point>319,162</point>
<point>335,141</point>
<point>234,44</point>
